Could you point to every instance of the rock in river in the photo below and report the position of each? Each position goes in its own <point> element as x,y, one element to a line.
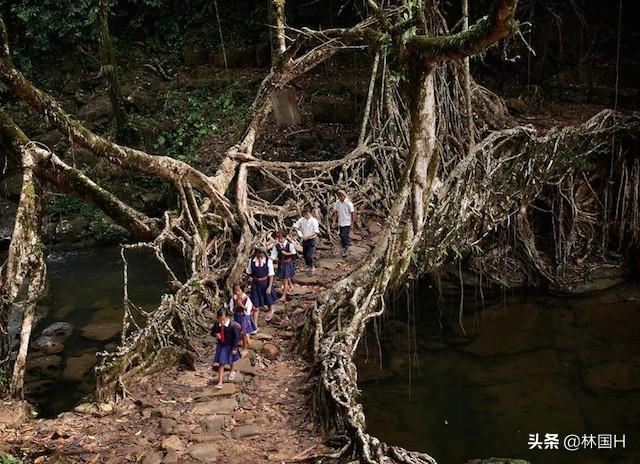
<point>77,366</point>
<point>102,331</point>
<point>58,330</point>
<point>47,344</point>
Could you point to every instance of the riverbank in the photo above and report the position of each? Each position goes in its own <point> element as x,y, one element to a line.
<point>178,416</point>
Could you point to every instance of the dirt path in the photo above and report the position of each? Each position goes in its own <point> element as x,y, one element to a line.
<point>177,416</point>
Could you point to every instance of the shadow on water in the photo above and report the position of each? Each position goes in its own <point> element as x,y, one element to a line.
<point>529,363</point>
<point>85,289</point>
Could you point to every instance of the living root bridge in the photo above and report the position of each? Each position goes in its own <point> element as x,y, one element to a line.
<point>414,170</point>
<point>502,175</point>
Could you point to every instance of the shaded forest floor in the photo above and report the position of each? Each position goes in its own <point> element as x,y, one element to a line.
<point>178,416</point>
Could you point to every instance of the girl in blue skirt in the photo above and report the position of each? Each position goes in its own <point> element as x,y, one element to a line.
<point>227,332</point>
<point>284,252</point>
<point>241,306</point>
<point>260,269</point>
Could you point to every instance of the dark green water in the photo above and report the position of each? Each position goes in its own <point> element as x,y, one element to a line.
<point>528,364</point>
<point>85,289</point>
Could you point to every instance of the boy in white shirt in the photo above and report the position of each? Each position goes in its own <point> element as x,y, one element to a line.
<point>344,218</point>
<point>309,228</point>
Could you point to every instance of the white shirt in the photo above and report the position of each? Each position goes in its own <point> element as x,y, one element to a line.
<point>283,247</point>
<point>345,209</point>
<point>258,263</point>
<point>307,226</point>
<point>247,306</point>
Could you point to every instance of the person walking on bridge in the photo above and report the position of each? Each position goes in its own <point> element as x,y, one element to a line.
<point>344,219</point>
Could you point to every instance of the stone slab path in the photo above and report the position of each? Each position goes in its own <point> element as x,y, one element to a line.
<point>177,416</point>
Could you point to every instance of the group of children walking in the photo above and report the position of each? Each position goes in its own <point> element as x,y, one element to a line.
<point>237,323</point>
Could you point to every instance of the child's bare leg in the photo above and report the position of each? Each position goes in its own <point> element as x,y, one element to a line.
<point>254,315</point>
<point>245,342</point>
<point>220,374</point>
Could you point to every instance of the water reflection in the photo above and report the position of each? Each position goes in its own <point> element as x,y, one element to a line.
<point>84,289</point>
<point>531,363</point>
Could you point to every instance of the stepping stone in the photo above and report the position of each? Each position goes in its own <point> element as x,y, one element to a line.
<point>208,437</point>
<point>153,458</point>
<point>245,367</point>
<point>256,345</point>
<point>245,431</point>
<point>304,279</point>
<point>220,406</point>
<point>213,423</point>
<point>204,452</point>
<point>172,443</point>
<point>167,425</point>
<point>330,263</point>
<point>261,336</point>
<point>171,457</point>
<point>238,380</point>
<point>228,389</point>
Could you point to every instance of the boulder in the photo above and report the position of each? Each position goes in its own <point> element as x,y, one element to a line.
<point>102,331</point>
<point>14,413</point>
<point>71,228</point>
<point>78,366</point>
<point>270,351</point>
<point>44,365</point>
<point>58,330</point>
<point>47,345</point>
<point>38,387</point>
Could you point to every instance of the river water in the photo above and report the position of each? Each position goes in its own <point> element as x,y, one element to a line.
<point>85,289</point>
<point>526,364</point>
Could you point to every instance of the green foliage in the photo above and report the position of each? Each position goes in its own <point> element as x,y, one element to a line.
<point>196,117</point>
<point>8,459</point>
<point>5,377</point>
<point>100,226</point>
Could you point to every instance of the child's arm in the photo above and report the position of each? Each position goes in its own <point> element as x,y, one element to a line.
<point>235,338</point>
<point>215,330</point>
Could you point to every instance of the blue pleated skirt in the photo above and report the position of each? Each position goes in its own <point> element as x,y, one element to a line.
<point>259,295</point>
<point>286,270</point>
<point>223,355</point>
<point>246,322</point>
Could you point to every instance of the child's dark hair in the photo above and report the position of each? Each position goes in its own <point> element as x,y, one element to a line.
<point>281,233</point>
<point>222,312</point>
<point>236,285</point>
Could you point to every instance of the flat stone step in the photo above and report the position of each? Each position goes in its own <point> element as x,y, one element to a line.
<point>228,389</point>
<point>218,406</point>
<point>245,367</point>
<point>261,336</point>
<point>304,279</point>
<point>213,424</point>
<point>237,380</point>
<point>245,431</point>
<point>330,263</point>
<point>204,452</point>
